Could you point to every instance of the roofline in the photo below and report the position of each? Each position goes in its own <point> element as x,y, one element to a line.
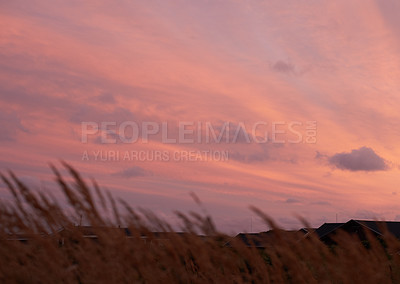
<point>341,224</point>
<point>359,222</point>
<point>375,221</point>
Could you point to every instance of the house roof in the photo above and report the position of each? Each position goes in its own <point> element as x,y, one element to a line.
<point>375,226</point>
<point>92,232</point>
<point>306,230</point>
<point>263,239</point>
<point>327,228</point>
<point>378,226</point>
<point>253,239</point>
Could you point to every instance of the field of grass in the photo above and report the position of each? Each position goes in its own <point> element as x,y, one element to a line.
<point>51,255</point>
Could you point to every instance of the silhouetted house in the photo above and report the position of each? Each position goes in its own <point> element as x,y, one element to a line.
<point>325,233</point>
<point>257,240</point>
<point>360,228</point>
<point>306,231</point>
<point>326,230</point>
<point>75,233</point>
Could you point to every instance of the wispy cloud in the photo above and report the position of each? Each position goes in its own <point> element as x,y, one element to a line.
<point>11,125</point>
<point>132,172</point>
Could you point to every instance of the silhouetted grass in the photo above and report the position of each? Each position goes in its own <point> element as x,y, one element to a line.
<point>51,255</point>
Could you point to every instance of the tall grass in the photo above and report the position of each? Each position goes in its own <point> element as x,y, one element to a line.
<point>52,255</point>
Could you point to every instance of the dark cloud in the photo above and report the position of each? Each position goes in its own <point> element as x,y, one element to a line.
<point>106,98</point>
<point>132,172</point>
<point>363,159</point>
<point>292,200</point>
<point>283,67</point>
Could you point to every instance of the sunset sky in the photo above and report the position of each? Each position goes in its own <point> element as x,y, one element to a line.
<point>335,63</point>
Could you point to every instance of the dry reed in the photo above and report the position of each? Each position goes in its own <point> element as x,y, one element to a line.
<point>51,255</point>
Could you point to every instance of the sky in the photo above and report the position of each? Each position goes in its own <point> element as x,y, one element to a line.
<point>318,79</point>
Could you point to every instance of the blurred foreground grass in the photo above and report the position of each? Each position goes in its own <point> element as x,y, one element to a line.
<point>40,243</point>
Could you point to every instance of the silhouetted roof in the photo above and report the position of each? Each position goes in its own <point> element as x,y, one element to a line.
<point>327,228</point>
<point>263,239</point>
<point>92,232</point>
<point>253,239</point>
<point>377,226</point>
<point>307,230</point>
